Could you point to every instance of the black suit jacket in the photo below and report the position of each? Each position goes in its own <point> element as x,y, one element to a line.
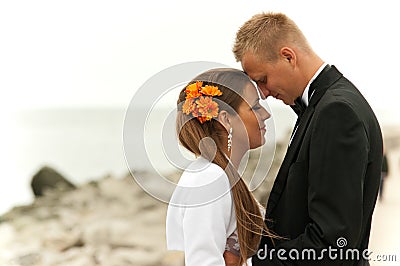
<point>325,191</point>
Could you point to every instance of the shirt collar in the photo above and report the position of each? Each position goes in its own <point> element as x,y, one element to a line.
<point>304,97</point>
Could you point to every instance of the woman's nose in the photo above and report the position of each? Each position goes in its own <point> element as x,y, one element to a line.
<point>266,115</point>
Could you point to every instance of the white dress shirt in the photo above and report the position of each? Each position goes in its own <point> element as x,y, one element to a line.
<point>304,97</point>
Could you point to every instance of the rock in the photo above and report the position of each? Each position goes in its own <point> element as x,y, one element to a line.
<point>107,222</point>
<point>173,258</point>
<point>129,257</point>
<point>111,231</point>
<point>8,234</point>
<point>73,257</point>
<point>27,260</point>
<point>62,240</point>
<point>48,178</point>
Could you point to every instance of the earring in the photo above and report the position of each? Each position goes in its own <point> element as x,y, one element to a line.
<point>230,139</point>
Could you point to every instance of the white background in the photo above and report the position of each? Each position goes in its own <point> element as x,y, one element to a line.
<point>81,53</point>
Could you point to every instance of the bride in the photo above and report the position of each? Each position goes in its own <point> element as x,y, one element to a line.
<point>212,215</point>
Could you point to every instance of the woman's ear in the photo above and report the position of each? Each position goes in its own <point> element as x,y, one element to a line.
<point>224,119</point>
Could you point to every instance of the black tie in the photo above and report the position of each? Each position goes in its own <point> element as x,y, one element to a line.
<point>299,107</point>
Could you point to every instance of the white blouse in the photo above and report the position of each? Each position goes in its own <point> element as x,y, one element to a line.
<point>201,214</point>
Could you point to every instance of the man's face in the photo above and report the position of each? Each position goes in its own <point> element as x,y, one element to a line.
<point>276,79</point>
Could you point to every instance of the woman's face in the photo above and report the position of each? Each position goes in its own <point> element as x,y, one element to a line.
<point>248,127</point>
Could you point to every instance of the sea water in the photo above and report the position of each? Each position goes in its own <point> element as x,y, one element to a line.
<point>84,144</point>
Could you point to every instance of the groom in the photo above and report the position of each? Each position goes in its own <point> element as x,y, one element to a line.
<point>324,194</point>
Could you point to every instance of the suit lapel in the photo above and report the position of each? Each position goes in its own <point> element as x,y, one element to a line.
<point>290,156</point>
<point>324,80</point>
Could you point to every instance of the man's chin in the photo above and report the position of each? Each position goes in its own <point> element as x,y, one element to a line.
<point>287,102</point>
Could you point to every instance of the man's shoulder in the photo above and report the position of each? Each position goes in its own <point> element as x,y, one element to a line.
<point>343,93</point>
<point>345,102</point>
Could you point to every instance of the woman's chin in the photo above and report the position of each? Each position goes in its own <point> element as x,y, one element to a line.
<point>258,145</point>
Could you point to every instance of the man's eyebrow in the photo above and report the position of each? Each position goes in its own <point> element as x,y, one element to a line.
<point>248,75</point>
<point>256,79</point>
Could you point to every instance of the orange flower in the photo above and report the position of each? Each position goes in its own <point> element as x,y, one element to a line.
<point>188,106</point>
<point>192,90</point>
<point>202,119</point>
<point>203,108</point>
<point>196,113</point>
<point>207,107</point>
<point>211,90</point>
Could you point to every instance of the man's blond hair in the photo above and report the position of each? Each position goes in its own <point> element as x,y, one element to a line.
<point>265,34</point>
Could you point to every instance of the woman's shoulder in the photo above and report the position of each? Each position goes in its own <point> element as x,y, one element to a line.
<point>201,172</point>
<point>201,183</point>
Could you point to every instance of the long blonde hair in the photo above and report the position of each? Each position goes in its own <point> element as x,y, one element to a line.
<point>250,223</point>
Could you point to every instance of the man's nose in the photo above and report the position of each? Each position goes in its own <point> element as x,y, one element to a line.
<point>264,92</point>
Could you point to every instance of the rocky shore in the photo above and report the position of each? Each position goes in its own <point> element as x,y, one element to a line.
<point>107,222</point>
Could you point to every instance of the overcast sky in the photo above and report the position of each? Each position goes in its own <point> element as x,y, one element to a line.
<point>97,53</point>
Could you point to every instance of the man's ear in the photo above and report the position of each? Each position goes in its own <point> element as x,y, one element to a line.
<point>224,119</point>
<point>288,54</point>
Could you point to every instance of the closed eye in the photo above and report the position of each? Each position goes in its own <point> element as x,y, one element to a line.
<point>257,106</point>
<point>261,81</point>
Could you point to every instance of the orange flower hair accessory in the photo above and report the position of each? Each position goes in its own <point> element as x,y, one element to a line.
<point>199,101</point>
